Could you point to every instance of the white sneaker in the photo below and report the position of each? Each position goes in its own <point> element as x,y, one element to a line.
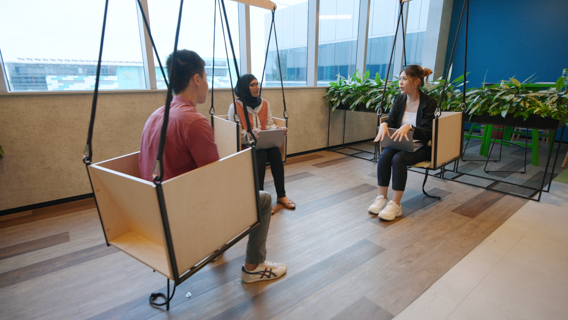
<point>391,211</point>
<point>264,271</point>
<point>378,205</point>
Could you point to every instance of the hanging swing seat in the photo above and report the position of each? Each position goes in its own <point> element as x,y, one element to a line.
<point>266,4</point>
<point>201,221</point>
<point>228,137</point>
<point>447,136</point>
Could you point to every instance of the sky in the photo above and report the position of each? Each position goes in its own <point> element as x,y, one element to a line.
<point>71,29</point>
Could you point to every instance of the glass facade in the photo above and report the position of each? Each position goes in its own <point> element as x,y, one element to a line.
<point>291,21</point>
<point>196,33</point>
<point>59,50</point>
<point>338,30</point>
<point>382,27</point>
<point>63,56</point>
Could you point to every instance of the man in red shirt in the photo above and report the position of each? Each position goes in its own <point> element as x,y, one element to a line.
<point>190,144</point>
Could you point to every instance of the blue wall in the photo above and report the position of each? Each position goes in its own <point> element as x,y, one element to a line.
<point>511,38</point>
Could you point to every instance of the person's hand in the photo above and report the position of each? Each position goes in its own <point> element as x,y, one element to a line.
<point>402,132</point>
<point>383,129</point>
<point>285,129</point>
<point>256,132</point>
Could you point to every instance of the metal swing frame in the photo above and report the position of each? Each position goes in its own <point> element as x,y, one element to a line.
<point>172,265</point>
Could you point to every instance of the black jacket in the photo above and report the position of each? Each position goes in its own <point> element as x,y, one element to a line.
<point>425,115</point>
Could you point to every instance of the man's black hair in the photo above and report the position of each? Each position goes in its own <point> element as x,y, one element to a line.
<point>188,63</point>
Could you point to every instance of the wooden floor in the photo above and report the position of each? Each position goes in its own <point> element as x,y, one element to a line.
<point>343,263</point>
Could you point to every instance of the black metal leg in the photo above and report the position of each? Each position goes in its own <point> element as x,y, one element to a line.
<point>424,183</point>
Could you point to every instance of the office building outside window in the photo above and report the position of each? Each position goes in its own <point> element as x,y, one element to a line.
<point>383,21</point>
<point>337,47</point>
<point>57,50</point>
<point>291,21</point>
<point>196,33</point>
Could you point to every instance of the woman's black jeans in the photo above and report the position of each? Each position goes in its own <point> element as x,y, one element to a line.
<point>399,161</point>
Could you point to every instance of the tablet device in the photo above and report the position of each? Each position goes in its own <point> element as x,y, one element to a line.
<point>270,138</point>
<point>403,145</point>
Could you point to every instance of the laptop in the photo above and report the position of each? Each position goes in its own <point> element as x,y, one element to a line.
<point>270,138</point>
<point>403,145</point>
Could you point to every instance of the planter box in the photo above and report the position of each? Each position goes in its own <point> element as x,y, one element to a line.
<point>533,122</point>
<point>359,108</point>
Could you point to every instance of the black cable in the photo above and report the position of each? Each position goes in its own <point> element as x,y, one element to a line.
<point>88,147</point>
<point>405,62</point>
<point>212,109</point>
<point>228,66</point>
<point>156,295</point>
<point>452,57</point>
<point>280,69</point>
<point>153,44</point>
<point>249,130</point>
<point>390,61</point>
<point>266,54</point>
<point>230,38</point>
<point>465,59</point>
<point>159,163</point>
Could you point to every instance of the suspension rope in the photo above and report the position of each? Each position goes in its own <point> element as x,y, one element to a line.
<point>465,59</point>
<point>153,44</point>
<point>158,175</point>
<point>380,110</point>
<point>465,5</point>
<point>280,69</point>
<point>235,116</point>
<point>266,54</point>
<point>212,109</point>
<point>88,147</point>
<point>249,130</point>
<point>405,62</point>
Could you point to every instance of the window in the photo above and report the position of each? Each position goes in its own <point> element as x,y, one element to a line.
<point>382,28</point>
<point>56,50</point>
<point>196,33</point>
<point>416,30</point>
<point>337,48</point>
<point>291,21</point>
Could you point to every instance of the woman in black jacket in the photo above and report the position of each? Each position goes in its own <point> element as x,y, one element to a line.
<point>412,114</point>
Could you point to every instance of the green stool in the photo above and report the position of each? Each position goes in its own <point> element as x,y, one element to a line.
<point>506,140</point>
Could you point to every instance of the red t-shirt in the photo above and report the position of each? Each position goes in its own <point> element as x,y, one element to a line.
<point>190,142</point>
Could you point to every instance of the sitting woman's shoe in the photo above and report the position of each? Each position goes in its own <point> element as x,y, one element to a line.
<point>287,203</point>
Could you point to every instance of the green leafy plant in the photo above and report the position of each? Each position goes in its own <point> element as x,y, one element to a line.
<point>1,153</point>
<point>360,90</point>
<point>506,98</point>
<point>516,98</point>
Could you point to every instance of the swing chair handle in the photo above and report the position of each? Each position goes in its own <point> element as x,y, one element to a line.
<point>87,153</point>
<point>380,112</point>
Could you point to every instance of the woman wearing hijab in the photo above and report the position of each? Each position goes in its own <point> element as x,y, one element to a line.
<point>260,116</point>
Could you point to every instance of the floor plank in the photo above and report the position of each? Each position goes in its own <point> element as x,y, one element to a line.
<point>34,245</point>
<point>46,267</point>
<point>476,205</point>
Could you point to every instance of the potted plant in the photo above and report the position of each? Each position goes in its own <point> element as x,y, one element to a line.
<point>507,103</point>
<point>360,93</point>
<point>517,105</point>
